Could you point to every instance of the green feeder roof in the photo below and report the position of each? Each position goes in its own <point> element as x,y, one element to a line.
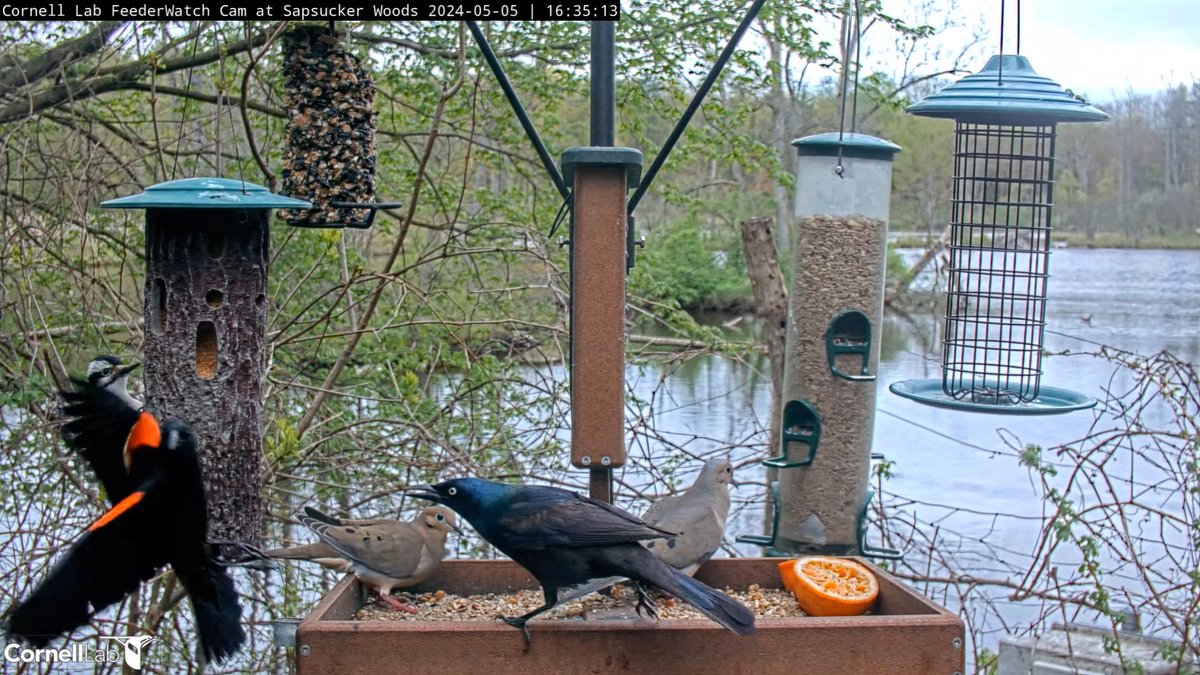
<point>206,193</point>
<point>1008,91</point>
<point>862,146</point>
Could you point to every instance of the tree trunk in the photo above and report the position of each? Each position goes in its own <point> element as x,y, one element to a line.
<point>770,301</point>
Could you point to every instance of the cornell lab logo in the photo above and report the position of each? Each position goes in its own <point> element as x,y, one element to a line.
<point>133,645</point>
<point>84,653</point>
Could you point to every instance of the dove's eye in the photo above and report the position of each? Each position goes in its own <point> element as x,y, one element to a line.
<point>452,491</point>
<point>441,517</point>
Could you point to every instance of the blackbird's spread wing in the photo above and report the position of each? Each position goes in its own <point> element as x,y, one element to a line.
<point>538,517</point>
<point>102,567</point>
<point>98,428</point>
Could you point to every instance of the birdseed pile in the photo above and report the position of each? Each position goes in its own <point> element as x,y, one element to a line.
<point>330,154</point>
<point>838,265</point>
<point>766,603</point>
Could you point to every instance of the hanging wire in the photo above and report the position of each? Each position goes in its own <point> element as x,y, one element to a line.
<point>845,84</point>
<point>1018,26</point>
<point>237,153</point>
<point>1000,68</point>
<point>187,89</point>
<point>857,64</point>
<point>846,33</point>
<point>221,98</point>
<point>563,212</point>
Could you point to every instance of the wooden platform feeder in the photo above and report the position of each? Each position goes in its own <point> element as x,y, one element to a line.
<point>906,634</point>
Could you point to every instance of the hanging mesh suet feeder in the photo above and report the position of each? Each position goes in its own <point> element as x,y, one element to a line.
<point>330,155</point>
<point>1000,223</point>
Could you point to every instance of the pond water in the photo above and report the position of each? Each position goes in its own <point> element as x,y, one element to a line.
<point>958,470</point>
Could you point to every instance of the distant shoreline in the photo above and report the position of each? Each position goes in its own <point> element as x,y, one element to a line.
<point>1077,240</point>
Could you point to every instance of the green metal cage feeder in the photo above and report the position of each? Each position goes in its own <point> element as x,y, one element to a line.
<point>1006,117</point>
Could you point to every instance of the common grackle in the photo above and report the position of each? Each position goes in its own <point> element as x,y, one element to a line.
<point>383,553</point>
<point>565,539</point>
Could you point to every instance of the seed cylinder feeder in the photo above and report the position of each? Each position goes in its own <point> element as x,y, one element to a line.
<point>330,154</point>
<point>206,316</point>
<point>843,188</point>
<point>1006,117</point>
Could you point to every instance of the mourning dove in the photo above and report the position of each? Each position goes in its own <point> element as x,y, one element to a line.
<point>382,553</point>
<point>698,515</point>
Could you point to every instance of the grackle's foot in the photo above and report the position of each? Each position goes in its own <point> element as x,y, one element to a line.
<point>645,602</point>
<point>523,624</point>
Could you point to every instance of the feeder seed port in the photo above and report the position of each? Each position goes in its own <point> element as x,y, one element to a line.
<point>206,350</point>
<point>214,298</point>
<point>605,460</point>
<point>957,642</point>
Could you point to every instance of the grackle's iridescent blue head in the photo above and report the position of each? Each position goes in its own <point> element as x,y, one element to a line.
<point>470,497</point>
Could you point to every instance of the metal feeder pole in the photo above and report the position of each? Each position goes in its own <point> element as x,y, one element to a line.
<point>601,176</point>
<point>206,316</point>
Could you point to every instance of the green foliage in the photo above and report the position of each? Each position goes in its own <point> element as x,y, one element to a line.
<point>684,268</point>
<point>987,662</point>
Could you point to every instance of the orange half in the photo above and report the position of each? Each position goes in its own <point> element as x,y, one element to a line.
<point>830,586</point>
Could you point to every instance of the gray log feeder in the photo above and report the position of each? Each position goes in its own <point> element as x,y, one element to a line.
<point>206,315</point>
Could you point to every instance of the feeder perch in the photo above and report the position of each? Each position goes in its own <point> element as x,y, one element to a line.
<point>801,424</point>
<point>330,155</point>
<point>206,314</point>
<point>843,191</point>
<point>865,548</point>
<point>849,333</point>
<point>1006,117</point>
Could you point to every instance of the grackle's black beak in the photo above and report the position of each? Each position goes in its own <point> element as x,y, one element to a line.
<point>424,492</point>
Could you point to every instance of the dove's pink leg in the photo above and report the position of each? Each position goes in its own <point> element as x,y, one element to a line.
<point>387,599</point>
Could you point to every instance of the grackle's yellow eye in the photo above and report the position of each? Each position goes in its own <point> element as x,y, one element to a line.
<point>452,491</point>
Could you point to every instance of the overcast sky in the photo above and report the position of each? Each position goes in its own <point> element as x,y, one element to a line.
<point>1096,47</point>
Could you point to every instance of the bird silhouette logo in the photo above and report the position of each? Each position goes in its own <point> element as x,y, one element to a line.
<point>133,645</point>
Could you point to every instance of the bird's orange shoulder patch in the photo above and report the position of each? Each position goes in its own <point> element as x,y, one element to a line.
<point>116,511</point>
<point>144,434</point>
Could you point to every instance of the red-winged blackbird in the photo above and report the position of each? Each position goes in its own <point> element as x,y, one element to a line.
<point>152,474</point>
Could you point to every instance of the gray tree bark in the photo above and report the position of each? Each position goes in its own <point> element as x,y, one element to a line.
<point>770,302</point>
